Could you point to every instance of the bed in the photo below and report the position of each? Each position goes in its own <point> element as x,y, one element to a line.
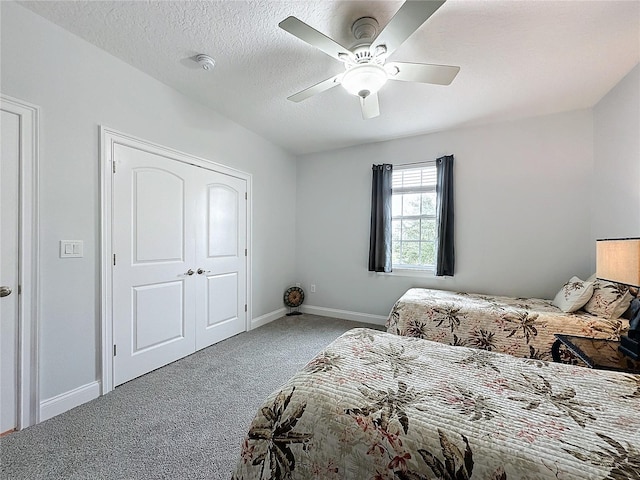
<point>522,327</point>
<point>374,405</point>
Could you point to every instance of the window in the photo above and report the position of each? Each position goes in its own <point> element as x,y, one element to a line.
<point>413,218</point>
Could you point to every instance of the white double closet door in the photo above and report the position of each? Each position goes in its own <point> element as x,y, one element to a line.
<point>179,273</point>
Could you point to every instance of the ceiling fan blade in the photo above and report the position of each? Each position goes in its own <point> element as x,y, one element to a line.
<point>408,19</point>
<point>370,106</point>
<point>314,38</point>
<point>315,89</point>
<point>422,72</point>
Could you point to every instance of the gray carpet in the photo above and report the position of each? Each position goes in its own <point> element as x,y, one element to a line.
<point>183,421</point>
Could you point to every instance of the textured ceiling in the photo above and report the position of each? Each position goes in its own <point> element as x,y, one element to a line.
<point>517,59</point>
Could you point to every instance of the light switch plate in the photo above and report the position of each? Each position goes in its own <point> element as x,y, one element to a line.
<point>71,248</point>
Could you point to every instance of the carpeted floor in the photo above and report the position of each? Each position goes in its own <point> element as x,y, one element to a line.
<point>183,421</point>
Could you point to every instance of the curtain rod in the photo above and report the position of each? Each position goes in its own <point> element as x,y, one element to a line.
<point>413,163</point>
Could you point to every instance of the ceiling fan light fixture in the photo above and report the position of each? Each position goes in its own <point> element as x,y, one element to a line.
<point>364,80</point>
<point>380,50</point>
<point>392,70</point>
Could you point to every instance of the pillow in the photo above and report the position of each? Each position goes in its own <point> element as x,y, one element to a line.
<point>609,300</point>
<point>573,295</point>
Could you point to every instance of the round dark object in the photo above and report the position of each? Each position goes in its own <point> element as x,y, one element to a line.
<point>293,297</point>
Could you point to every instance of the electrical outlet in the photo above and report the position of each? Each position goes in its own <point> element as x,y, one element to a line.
<point>313,288</point>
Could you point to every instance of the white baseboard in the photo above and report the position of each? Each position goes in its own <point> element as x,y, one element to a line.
<point>53,406</point>
<point>345,314</point>
<point>267,318</point>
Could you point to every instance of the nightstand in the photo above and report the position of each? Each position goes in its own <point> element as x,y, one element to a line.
<point>598,353</point>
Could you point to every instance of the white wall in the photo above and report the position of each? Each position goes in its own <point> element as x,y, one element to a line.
<point>523,213</point>
<point>78,88</point>
<point>616,190</point>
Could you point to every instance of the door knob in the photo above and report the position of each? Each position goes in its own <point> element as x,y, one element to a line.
<point>5,291</point>
<point>201,271</point>
<point>190,272</point>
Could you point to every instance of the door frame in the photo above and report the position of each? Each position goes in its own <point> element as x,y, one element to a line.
<point>109,138</point>
<point>28,261</point>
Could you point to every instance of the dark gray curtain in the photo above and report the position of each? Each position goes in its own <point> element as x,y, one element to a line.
<point>445,256</point>
<point>380,233</point>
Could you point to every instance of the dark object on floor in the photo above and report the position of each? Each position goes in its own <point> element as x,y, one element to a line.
<point>293,298</point>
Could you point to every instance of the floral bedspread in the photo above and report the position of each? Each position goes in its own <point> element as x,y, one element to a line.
<point>378,406</point>
<point>522,327</point>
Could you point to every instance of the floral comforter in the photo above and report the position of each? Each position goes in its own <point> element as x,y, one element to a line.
<point>378,406</point>
<point>522,327</point>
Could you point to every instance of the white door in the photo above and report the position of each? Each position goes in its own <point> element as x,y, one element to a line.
<point>221,257</point>
<point>179,279</point>
<point>9,168</point>
<point>153,297</point>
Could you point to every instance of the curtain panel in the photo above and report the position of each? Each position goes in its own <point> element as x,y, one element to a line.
<point>380,232</point>
<point>445,253</point>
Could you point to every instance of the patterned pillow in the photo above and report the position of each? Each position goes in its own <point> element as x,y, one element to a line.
<point>573,295</point>
<point>609,300</point>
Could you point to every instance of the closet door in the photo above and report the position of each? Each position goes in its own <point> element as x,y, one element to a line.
<point>154,293</point>
<point>220,256</point>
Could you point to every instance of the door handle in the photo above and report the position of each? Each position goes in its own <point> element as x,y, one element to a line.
<point>5,291</point>
<point>201,271</point>
<point>190,272</point>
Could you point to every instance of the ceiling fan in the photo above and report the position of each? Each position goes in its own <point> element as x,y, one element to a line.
<point>366,68</point>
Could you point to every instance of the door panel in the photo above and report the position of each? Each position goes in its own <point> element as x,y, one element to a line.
<point>9,168</point>
<point>222,295</point>
<point>222,212</point>
<point>159,213</point>
<point>220,247</point>
<point>158,315</point>
<point>153,296</point>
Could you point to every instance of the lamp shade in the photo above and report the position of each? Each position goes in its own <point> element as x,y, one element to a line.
<point>618,260</point>
<point>364,80</point>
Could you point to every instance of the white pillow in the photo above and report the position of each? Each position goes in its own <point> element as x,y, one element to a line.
<point>609,300</point>
<point>573,295</point>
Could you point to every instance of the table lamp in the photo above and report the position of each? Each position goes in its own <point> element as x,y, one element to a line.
<point>618,260</point>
